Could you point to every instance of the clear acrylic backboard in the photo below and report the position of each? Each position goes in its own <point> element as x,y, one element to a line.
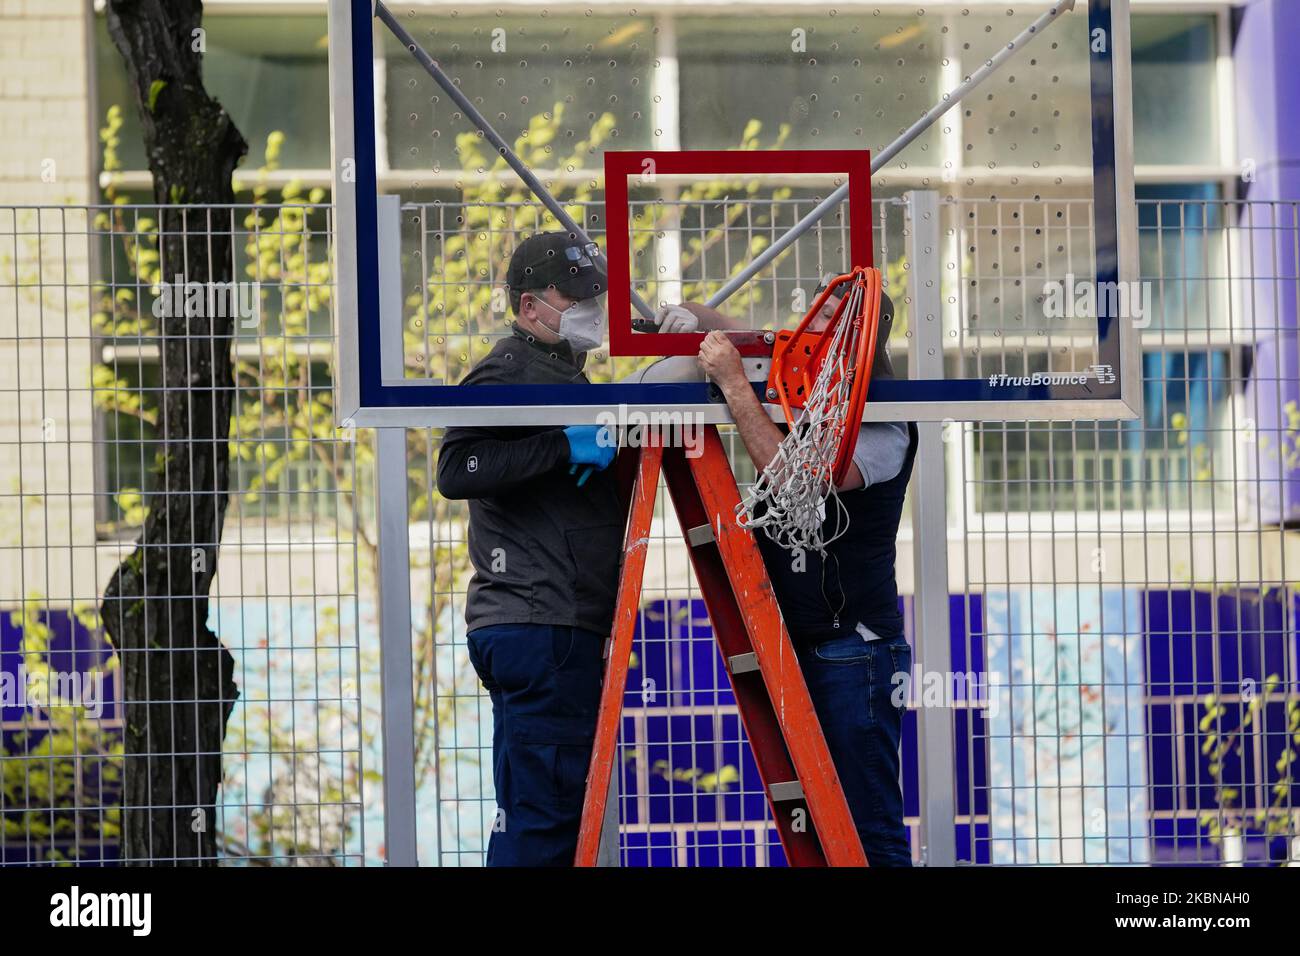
<point>979,154</point>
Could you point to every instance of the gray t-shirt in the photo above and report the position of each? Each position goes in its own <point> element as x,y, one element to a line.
<point>880,451</point>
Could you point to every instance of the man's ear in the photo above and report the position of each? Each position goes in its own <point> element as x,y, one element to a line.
<point>528,306</point>
<point>534,295</point>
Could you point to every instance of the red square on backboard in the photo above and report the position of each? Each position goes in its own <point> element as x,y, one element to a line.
<point>855,164</point>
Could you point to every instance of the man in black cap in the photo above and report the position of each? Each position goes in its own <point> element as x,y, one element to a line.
<point>545,535</point>
<point>841,609</point>
<point>545,540</point>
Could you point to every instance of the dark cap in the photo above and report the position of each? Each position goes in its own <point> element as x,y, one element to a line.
<point>884,369</point>
<point>557,259</point>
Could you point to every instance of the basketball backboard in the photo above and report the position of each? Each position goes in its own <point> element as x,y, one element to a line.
<point>688,143</point>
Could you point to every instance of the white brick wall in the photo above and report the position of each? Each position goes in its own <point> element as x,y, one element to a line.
<point>47,475</point>
<point>44,100</point>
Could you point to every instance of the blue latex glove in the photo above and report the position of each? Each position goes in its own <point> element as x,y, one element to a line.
<point>589,445</point>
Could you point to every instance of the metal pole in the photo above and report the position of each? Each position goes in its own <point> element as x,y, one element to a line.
<point>395,648</point>
<point>881,159</point>
<point>394,571</point>
<point>932,629</point>
<point>392,358</point>
<point>493,137</point>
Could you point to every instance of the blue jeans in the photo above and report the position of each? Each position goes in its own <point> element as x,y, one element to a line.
<point>860,705</point>
<point>544,681</point>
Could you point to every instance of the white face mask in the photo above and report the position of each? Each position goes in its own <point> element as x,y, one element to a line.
<point>582,324</point>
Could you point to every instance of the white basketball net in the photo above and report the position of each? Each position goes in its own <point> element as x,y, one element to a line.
<point>796,484</point>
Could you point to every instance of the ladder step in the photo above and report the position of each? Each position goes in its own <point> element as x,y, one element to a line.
<point>700,535</point>
<point>790,790</point>
<point>742,663</point>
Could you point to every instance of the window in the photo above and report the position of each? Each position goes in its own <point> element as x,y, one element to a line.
<point>1174,459</point>
<point>270,72</point>
<point>1183,244</point>
<point>836,88</point>
<point>270,479</point>
<point>1175,118</point>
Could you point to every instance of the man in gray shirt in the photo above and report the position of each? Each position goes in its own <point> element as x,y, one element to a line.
<point>841,606</point>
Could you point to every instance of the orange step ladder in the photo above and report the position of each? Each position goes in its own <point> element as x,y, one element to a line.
<point>799,779</point>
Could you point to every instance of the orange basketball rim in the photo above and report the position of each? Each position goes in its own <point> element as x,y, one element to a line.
<point>799,355</point>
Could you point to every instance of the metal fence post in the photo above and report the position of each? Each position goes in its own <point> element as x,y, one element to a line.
<point>394,580</point>
<point>932,628</point>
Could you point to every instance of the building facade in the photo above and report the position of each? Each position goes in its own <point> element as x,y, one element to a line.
<point>1147,557</point>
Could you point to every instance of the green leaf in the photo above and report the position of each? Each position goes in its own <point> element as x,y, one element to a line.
<point>156,87</point>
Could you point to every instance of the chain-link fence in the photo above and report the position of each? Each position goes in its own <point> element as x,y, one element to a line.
<point>182,625</point>
<point>1122,684</point>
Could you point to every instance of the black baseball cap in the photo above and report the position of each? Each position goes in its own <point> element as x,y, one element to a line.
<point>560,260</point>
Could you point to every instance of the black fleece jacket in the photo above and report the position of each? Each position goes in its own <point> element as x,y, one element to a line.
<point>544,550</point>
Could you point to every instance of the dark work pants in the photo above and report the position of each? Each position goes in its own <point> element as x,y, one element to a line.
<point>860,707</point>
<point>544,681</point>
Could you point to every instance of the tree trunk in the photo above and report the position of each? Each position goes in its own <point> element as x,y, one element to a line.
<point>178,677</point>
